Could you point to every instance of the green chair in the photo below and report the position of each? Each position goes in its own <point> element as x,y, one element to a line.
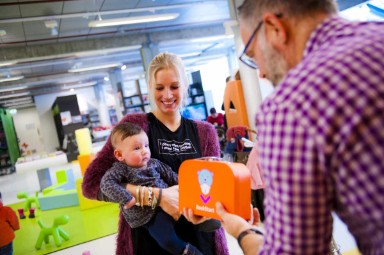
<point>55,230</point>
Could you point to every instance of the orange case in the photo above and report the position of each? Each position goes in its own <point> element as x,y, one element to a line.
<point>203,182</point>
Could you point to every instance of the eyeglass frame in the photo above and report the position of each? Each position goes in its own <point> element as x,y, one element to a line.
<point>252,64</point>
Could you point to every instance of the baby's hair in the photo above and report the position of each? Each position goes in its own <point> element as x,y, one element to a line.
<point>122,131</point>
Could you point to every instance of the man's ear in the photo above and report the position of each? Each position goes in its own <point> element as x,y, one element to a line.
<point>276,31</point>
<point>118,155</point>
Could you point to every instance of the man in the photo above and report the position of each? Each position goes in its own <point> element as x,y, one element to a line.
<point>321,135</point>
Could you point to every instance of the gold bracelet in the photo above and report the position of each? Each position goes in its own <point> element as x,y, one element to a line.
<point>142,196</point>
<point>137,195</point>
<point>150,196</point>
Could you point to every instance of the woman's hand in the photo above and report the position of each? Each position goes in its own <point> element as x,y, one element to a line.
<point>195,219</point>
<point>169,201</point>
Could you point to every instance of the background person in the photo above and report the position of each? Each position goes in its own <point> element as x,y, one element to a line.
<point>320,133</point>
<point>216,119</point>
<point>9,223</point>
<point>167,131</point>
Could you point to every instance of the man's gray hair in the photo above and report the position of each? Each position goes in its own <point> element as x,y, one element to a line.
<point>252,10</point>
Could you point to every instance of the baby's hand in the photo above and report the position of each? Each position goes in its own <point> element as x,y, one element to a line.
<point>130,203</point>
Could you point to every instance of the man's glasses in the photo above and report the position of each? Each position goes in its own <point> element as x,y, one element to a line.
<point>244,57</point>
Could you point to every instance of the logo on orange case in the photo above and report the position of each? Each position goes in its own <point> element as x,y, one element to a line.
<point>205,179</point>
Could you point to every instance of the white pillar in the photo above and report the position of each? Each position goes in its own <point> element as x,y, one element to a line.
<point>249,76</point>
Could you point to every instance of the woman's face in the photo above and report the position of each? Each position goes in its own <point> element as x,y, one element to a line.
<point>168,91</point>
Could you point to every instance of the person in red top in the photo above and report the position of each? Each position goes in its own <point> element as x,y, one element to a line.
<point>217,119</point>
<point>8,224</point>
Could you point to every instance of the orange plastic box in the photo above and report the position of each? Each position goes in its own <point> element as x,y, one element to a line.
<point>203,182</point>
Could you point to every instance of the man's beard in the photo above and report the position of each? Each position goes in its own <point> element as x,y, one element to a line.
<point>276,66</point>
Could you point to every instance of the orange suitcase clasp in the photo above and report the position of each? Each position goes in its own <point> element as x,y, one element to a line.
<point>203,182</point>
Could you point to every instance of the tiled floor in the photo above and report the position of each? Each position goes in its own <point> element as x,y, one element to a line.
<point>28,182</point>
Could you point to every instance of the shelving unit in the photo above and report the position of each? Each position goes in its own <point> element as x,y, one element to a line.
<point>91,118</point>
<point>112,116</point>
<point>196,107</point>
<point>9,148</point>
<point>66,114</point>
<point>138,102</point>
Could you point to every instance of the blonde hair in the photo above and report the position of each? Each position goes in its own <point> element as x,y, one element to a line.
<point>163,61</point>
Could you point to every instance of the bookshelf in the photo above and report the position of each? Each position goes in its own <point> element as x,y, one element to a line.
<point>136,101</point>
<point>9,148</point>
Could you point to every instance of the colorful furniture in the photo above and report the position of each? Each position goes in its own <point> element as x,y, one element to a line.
<point>84,202</point>
<point>234,104</point>
<point>62,194</point>
<point>65,181</point>
<point>28,200</point>
<point>55,230</point>
<point>44,178</point>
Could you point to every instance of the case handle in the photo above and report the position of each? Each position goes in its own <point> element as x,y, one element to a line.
<point>211,158</point>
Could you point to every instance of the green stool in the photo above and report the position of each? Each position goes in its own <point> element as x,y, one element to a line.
<point>56,231</point>
<point>28,200</point>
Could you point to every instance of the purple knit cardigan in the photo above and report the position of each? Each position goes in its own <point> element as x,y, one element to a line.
<point>91,184</point>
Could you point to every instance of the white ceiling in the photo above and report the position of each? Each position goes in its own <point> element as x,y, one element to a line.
<point>44,58</point>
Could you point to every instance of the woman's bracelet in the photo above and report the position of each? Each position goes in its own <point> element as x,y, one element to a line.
<point>150,196</point>
<point>138,195</point>
<point>142,196</point>
<point>246,232</point>
<point>159,197</point>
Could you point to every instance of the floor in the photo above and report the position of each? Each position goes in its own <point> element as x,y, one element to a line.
<point>28,182</point>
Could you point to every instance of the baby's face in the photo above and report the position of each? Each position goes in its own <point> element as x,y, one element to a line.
<point>134,150</point>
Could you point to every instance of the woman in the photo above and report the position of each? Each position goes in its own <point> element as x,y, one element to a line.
<point>173,139</point>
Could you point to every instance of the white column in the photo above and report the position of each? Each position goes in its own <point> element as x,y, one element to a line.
<point>249,76</point>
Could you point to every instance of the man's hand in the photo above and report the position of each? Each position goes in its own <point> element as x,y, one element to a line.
<point>232,223</point>
<point>170,201</point>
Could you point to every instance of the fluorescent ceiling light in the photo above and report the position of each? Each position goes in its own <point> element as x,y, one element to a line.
<point>19,100</point>
<point>89,68</point>
<point>8,63</point>
<point>132,20</point>
<point>211,38</point>
<point>15,78</point>
<point>15,95</point>
<point>13,89</point>
<point>81,85</point>
<point>192,54</point>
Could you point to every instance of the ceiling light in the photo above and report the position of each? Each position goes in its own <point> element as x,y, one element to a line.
<point>13,89</point>
<point>15,95</point>
<point>7,63</point>
<point>106,78</point>
<point>15,78</point>
<point>211,38</point>
<point>123,67</point>
<point>19,100</point>
<point>192,54</point>
<point>132,20</point>
<point>50,23</point>
<point>81,85</point>
<point>89,68</point>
